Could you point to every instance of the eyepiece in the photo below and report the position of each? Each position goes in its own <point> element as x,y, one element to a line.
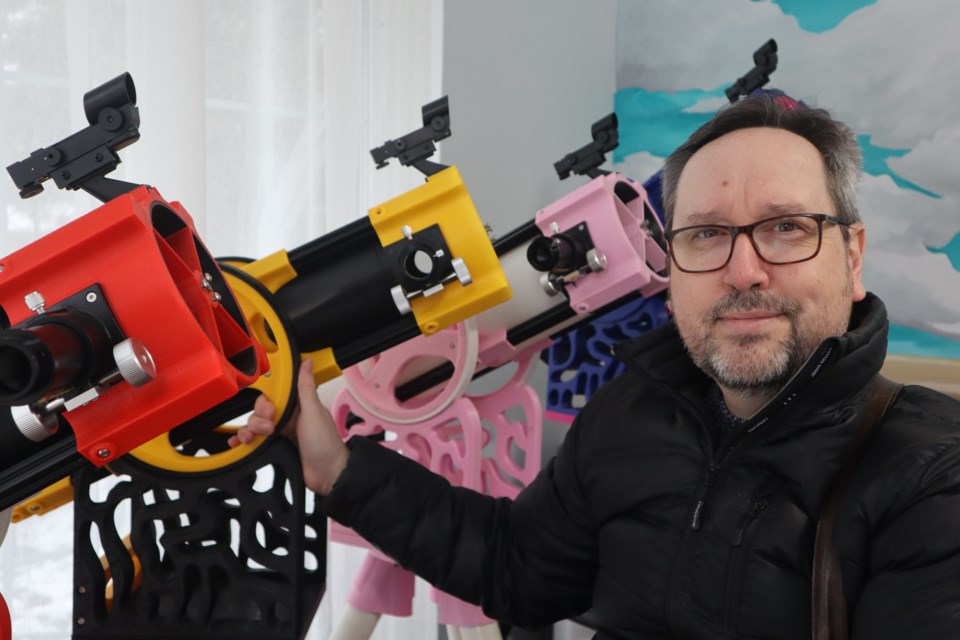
<point>55,354</point>
<point>558,253</point>
<point>36,362</point>
<point>16,371</point>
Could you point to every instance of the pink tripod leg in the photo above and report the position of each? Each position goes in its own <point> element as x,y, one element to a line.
<point>456,612</point>
<point>382,587</point>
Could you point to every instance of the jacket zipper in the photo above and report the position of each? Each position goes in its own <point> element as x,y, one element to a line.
<point>758,420</point>
<point>673,586</point>
<point>735,578</point>
<point>757,508</point>
<point>709,476</point>
<point>702,496</point>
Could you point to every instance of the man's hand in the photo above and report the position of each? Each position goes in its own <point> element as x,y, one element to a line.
<point>311,427</point>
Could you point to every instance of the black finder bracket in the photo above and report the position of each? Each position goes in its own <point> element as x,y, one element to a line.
<point>765,63</point>
<point>82,160</point>
<point>587,159</point>
<point>415,147</point>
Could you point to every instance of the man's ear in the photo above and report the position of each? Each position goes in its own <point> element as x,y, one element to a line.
<point>855,249</point>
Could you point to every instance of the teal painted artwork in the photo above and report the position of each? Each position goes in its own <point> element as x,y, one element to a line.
<point>875,162</point>
<point>952,251</point>
<point>837,55</point>
<point>913,342</point>
<point>820,15</point>
<point>656,121</point>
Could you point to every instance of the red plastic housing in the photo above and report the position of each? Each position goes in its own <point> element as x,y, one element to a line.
<point>6,630</point>
<point>150,264</point>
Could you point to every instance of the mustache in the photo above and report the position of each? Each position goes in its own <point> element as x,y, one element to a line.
<point>752,300</point>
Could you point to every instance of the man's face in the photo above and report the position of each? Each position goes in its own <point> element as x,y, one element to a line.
<point>751,325</point>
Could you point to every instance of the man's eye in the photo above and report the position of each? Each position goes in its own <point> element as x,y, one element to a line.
<point>786,227</point>
<point>707,233</point>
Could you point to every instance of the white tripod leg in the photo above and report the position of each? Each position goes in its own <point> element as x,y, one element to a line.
<point>484,632</point>
<point>355,625</point>
<point>5,517</point>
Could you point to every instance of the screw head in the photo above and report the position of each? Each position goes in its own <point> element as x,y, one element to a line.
<point>35,302</point>
<point>34,507</point>
<point>104,453</point>
<point>91,297</point>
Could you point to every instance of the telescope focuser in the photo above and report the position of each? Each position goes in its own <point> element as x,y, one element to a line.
<point>565,257</point>
<point>81,160</point>
<point>587,159</point>
<point>415,147</point>
<point>64,357</point>
<point>423,265</point>
<point>765,63</point>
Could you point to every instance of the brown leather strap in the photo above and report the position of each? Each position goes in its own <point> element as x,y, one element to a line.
<point>829,604</point>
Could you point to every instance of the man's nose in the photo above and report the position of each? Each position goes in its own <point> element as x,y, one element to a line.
<point>746,269</point>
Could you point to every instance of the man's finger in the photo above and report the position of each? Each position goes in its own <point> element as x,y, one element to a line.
<point>260,426</point>
<point>307,387</point>
<point>264,408</point>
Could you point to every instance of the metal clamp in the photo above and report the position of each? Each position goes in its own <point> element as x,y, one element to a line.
<point>401,298</point>
<point>135,365</point>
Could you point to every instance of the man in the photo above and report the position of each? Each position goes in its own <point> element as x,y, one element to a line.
<point>684,499</point>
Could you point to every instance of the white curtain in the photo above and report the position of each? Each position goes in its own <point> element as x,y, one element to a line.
<point>258,117</point>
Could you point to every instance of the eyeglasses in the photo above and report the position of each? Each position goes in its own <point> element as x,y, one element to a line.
<point>781,240</point>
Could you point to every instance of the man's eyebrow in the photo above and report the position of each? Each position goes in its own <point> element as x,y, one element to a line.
<point>773,209</point>
<point>785,208</point>
<point>707,217</point>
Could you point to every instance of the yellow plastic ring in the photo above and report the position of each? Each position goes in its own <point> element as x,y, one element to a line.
<point>278,384</point>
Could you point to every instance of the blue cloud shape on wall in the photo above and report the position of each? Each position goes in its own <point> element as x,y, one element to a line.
<point>818,16</point>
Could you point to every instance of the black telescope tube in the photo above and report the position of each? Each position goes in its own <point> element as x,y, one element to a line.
<point>341,295</point>
<point>24,477</point>
<point>33,363</point>
<point>17,445</point>
<point>53,355</point>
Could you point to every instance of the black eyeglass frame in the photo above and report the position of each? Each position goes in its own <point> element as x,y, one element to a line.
<point>747,230</point>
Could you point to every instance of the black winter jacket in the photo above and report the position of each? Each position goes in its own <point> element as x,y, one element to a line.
<point>666,533</point>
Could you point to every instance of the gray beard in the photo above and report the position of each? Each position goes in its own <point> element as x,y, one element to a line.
<point>759,377</point>
<point>746,370</point>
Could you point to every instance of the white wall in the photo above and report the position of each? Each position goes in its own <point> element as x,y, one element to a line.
<point>526,79</point>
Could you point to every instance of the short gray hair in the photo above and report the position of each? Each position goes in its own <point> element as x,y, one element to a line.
<point>834,140</point>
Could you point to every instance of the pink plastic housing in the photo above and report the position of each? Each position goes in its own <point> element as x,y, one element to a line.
<point>633,257</point>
